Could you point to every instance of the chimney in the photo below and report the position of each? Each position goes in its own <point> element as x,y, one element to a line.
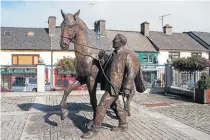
<point>167,29</point>
<point>99,26</point>
<point>51,25</point>
<point>145,28</point>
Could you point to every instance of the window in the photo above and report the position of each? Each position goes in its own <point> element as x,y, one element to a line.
<point>30,34</point>
<point>19,81</point>
<point>33,81</point>
<point>174,55</point>
<point>24,59</point>
<point>196,54</point>
<point>148,58</point>
<point>7,33</point>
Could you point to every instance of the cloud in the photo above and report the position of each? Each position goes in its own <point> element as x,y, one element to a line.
<point>119,15</point>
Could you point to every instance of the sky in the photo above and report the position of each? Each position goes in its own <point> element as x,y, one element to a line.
<point>119,15</point>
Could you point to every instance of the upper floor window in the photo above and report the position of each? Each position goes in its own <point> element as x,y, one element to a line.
<point>24,59</point>
<point>174,55</point>
<point>196,54</point>
<point>148,58</point>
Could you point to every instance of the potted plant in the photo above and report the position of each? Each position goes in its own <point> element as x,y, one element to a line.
<point>202,93</point>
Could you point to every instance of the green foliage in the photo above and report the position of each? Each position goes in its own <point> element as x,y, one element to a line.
<point>190,64</point>
<point>204,82</point>
<point>66,64</point>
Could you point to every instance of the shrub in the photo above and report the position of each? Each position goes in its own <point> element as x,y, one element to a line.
<point>190,64</point>
<point>204,82</point>
<point>66,64</point>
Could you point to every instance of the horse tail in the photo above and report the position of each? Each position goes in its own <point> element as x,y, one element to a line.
<point>139,82</point>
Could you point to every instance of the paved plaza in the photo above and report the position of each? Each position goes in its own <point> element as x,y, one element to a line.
<point>154,117</point>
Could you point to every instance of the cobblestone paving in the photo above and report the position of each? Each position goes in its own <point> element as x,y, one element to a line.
<point>192,114</point>
<point>147,98</point>
<point>12,126</point>
<point>197,116</point>
<point>10,104</point>
<point>44,122</point>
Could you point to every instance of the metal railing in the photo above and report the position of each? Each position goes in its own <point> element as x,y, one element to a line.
<point>187,80</point>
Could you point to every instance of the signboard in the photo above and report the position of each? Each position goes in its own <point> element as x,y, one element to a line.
<point>11,71</point>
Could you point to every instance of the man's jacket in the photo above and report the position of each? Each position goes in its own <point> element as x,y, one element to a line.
<point>121,70</point>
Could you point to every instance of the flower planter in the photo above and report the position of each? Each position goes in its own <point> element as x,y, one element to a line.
<point>202,96</point>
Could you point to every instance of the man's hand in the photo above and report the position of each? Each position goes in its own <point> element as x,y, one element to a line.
<point>101,54</point>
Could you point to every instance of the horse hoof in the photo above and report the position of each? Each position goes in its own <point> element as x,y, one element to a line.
<point>64,113</point>
<point>89,124</point>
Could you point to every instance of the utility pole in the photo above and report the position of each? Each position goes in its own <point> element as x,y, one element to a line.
<point>161,18</point>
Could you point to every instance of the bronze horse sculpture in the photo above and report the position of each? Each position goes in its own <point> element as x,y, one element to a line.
<point>74,30</point>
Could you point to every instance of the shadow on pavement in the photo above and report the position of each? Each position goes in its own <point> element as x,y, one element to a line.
<point>78,120</point>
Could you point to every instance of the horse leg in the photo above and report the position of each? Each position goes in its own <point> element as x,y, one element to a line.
<point>93,100</point>
<point>128,101</point>
<point>64,109</point>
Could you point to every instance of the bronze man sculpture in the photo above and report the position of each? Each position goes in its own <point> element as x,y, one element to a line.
<point>74,30</point>
<point>121,73</point>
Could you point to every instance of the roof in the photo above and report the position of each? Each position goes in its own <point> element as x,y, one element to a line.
<point>19,40</point>
<point>100,41</point>
<point>41,40</point>
<point>205,36</point>
<point>176,41</point>
<point>135,40</point>
<point>56,40</point>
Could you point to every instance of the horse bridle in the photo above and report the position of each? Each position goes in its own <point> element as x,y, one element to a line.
<point>73,35</point>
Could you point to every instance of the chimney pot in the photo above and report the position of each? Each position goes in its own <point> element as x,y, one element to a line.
<point>167,29</point>
<point>145,28</point>
<point>51,25</point>
<point>100,27</point>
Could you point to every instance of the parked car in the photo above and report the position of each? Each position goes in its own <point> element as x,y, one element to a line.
<point>22,84</point>
<point>3,89</point>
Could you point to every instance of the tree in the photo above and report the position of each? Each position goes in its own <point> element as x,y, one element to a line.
<point>190,64</point>
<point>66,64</point>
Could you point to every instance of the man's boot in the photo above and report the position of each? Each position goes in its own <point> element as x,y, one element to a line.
<point>92,132</point>
<point>121,127</point>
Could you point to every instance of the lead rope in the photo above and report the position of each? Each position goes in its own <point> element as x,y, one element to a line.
<point>112,84</point>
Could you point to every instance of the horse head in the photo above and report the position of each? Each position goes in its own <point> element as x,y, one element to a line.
<point>69,29</point>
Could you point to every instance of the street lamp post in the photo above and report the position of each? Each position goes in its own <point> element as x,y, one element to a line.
<point>51,69</point>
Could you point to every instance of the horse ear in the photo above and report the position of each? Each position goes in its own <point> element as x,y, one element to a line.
<point>63,14</point>
<point>76,15</point>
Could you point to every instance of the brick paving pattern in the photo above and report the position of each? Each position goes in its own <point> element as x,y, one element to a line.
<point>21,119</point>
<point>180,108</point>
